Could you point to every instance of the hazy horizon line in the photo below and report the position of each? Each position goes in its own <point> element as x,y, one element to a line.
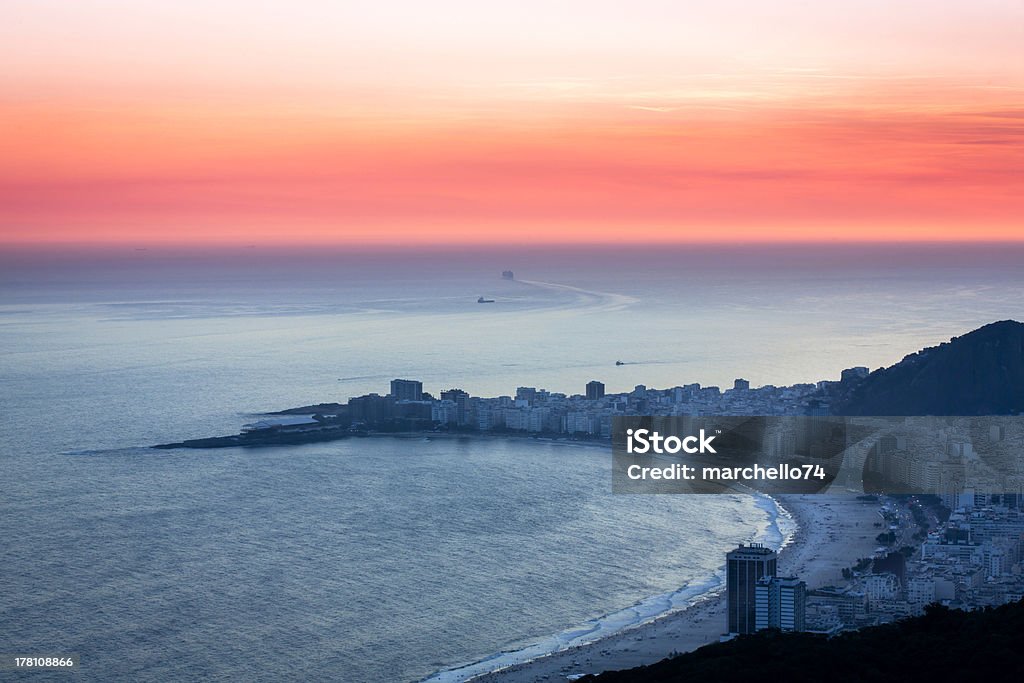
<point>220,245</point>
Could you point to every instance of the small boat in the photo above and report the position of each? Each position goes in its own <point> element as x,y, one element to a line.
<point>619,362</point>
<point>482,300</point>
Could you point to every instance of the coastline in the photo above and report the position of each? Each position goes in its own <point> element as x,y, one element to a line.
<point>832,531</point>
<point>298,438</point>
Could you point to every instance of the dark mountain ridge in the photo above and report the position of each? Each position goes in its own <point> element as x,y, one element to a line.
<point>979,373</point>
<point>941,645</point>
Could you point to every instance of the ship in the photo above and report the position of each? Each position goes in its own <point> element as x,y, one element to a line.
<point>482,300</point>
<point>507,275</point>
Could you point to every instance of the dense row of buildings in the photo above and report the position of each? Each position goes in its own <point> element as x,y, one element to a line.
<point>585,415</point>
<point>938,455</point>
<point>971,561</point>
<point>974,559</point>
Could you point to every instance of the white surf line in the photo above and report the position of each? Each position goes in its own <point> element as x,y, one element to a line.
<point>594,300</point>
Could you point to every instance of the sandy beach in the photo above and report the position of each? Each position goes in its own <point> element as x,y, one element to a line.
<point>834,531</point>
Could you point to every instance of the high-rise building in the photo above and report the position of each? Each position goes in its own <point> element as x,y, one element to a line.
<point>595,390</point>
<point>462,403</point>
<point>781,602</point>
<point>792,603</point>
<point>454,395</point>
<point>763,604</point>
<point>744,566</point>
<point>370,409</point>
<point>406,390</point>
<point>528,394</point>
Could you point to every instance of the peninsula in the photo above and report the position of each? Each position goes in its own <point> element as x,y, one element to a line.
<point>989,361</point>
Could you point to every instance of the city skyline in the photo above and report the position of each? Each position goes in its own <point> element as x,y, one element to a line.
<point>460,124</point>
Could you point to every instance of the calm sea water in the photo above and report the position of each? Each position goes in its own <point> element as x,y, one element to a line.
<point>392,559</point>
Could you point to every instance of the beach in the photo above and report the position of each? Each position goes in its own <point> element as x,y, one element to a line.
<point>833,532</point>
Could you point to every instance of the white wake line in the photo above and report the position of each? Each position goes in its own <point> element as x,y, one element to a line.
<point>598,301</point>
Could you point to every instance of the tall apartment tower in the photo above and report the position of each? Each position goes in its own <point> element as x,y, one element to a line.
<point>407,390</point>
<point>595,390</point>
<point>780,603</point>
<point>744,566</point>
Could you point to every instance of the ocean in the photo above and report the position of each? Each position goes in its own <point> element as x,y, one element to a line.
<point>395,559</point>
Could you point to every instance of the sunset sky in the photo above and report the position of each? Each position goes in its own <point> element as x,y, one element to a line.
<point>453,121</point>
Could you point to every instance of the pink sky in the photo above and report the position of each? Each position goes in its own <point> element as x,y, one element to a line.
<point>449,122</point>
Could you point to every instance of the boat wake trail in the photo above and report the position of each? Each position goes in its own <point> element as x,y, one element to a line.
<point>588,299</point>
